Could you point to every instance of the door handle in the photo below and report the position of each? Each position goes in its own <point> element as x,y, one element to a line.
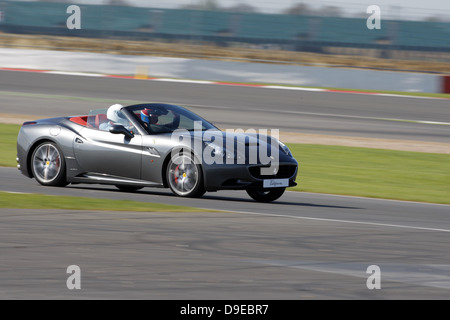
<point>78,140</point>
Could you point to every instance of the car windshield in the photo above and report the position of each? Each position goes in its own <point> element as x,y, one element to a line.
<point>157,118</point>
<point>94,112</point>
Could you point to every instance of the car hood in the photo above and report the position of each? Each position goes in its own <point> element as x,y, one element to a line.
<point>251,146</point>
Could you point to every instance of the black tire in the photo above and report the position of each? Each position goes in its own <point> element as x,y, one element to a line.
<point>184,176</point>
<point>128,188</point>
<point>266,195</point>
<point>48,165</point>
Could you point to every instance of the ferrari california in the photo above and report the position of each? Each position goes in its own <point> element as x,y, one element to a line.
<point>154,145</point>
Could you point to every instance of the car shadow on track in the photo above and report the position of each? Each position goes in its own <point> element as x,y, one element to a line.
<point>213,197</point>
<point>277,202</point>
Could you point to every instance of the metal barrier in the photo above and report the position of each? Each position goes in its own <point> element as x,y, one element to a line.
<point>299,32</point>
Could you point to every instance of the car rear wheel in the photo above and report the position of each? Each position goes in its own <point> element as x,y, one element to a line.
<point>48,165</point>
<point>266,195</point>
<point>184,176</point>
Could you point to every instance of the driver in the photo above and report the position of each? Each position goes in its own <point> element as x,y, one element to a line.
<point>148,117</point>
<point>154,123</point>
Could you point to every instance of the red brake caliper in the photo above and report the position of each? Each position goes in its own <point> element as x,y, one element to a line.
<point>176,174</point>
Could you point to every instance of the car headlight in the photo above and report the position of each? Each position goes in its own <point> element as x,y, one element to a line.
<point>285,149</point>
<point>219,151</point>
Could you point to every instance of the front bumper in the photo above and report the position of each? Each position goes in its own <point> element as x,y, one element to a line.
<point>239,177</point>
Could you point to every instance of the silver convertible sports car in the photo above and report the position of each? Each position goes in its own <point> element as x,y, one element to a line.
<point>154,145</point>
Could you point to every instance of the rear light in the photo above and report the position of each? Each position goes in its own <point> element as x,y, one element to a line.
<point>27,123</point>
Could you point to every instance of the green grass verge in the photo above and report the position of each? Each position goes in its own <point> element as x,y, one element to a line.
<point>378,173</point>
<point>41,201</point>
<point>389,174</point>
<point>8,142</point>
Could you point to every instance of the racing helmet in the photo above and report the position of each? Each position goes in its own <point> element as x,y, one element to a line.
<point>115,115</point>
<point>149,116</point>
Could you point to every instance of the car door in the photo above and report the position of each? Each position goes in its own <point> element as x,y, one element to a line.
<point>98,151</point>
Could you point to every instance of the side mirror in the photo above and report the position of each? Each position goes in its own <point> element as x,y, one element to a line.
<point>120,129</point>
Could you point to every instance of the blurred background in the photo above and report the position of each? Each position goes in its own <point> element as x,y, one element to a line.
<point>414,34</point>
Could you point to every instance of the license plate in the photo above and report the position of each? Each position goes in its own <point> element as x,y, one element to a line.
<point>276,183</point>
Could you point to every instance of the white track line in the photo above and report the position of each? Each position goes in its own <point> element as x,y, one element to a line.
<point>341,221</point>
<point>314,219</point>
<point>374,199</point>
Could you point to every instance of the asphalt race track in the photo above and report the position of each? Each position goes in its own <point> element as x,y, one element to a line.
<point>304,246</point>
<point>46,95</point>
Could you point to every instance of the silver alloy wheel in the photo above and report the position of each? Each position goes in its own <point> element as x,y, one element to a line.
<point>46,163</point>
<point>183,175</point>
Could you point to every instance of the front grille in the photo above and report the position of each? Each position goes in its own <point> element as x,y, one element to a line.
<point>284,171</point>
